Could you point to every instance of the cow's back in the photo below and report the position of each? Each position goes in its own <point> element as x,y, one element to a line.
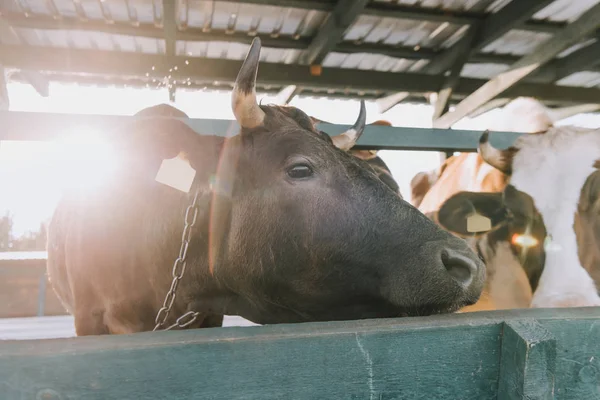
<point>465,172</point>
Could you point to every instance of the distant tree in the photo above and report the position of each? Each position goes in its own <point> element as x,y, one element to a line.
<point>30,241</point>
<point>6,224</point>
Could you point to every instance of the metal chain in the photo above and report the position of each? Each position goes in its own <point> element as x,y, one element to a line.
<point>178,270</point>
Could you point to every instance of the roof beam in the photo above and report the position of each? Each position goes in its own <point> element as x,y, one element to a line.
<point>38,81</point>
<point>580,60</point>
<point>388,102</point>
<point>479,35</point>
<point>129,64</point>
<point>492,28</point>
<point>286,94</point>
<point>170,32</point>
<point>389,10</point>
<point>566,112</point>
<point>582,27</point>
<point>462,50</point>
<point>489,106</point>
<point>196,34</point>
<point>332,31</point>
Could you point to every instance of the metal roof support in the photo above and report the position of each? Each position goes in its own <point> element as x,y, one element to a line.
<point>170,32</point>
<point>493,27</point>
<point>489,106</point>
<point>479,35</point>
<point>574,32</point>
<point>581,59</point>
<point>388,102</point>
<point>566,112</point>
<point>38,81</point>
<point>332,31</point>
<point>388,10</point>
<point>119,64</point>
<point>197,34</point>
<point>451,81</point>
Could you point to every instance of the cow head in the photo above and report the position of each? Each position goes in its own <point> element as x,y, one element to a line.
<point>313,234</point>
<point>548,174</point>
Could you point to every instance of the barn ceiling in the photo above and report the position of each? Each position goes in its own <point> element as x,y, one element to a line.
<point>470,53</point>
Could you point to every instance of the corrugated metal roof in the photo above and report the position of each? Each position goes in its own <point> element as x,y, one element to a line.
<point>247,18</point>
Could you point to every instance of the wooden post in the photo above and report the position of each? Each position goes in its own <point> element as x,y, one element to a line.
<point>527,361</point>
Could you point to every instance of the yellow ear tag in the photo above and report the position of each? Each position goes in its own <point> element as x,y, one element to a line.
<point>177,173</point>
<point>478,223</point>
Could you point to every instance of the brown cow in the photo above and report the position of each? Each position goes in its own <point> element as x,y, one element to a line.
<point>290,228</point>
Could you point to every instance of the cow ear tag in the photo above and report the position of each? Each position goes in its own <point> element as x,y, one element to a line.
<point>478,223</point>
<point>177,173</point>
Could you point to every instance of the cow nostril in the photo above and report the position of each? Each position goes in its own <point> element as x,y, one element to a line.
<point>461,268</point>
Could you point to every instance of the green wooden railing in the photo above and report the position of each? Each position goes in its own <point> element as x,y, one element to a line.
<point>518,354</point>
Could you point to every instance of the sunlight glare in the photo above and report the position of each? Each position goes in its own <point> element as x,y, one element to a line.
<point>86,160</point>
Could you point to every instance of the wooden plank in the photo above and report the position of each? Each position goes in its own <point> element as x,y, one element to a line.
<point>355,360</point>
<point>390,101</point>
<point>489,106</point>
<point>566,112</point>
<point>439,357</point>
<point>47,126</point>
<point>578,357</point>
<point>528,362</point>
<point>286,94</point>
<point>574,32</point>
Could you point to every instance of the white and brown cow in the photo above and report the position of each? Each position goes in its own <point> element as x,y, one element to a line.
<point>547,215</point>
<point>508,285</point>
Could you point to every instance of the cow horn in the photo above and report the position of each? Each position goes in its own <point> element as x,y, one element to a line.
<point>499,159</point>
<point>243,100</point>
<point>346,140</point>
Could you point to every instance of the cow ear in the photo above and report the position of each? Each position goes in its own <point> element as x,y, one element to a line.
<point>457,213</point>
<point>590,193</point>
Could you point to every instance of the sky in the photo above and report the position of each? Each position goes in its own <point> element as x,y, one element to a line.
<point>33,174</point>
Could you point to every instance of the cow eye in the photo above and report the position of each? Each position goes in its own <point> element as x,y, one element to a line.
<point>299,171</point>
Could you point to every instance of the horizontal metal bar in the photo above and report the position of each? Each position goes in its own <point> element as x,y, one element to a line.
<point>18,125</point>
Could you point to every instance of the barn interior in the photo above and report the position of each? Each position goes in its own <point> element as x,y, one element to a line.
<point>463,57</point>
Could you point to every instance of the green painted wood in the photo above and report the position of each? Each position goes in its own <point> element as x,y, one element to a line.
<point>578,358</point>
<point>47,126</point>
<point>528,362</point>
<point>442,357</point>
